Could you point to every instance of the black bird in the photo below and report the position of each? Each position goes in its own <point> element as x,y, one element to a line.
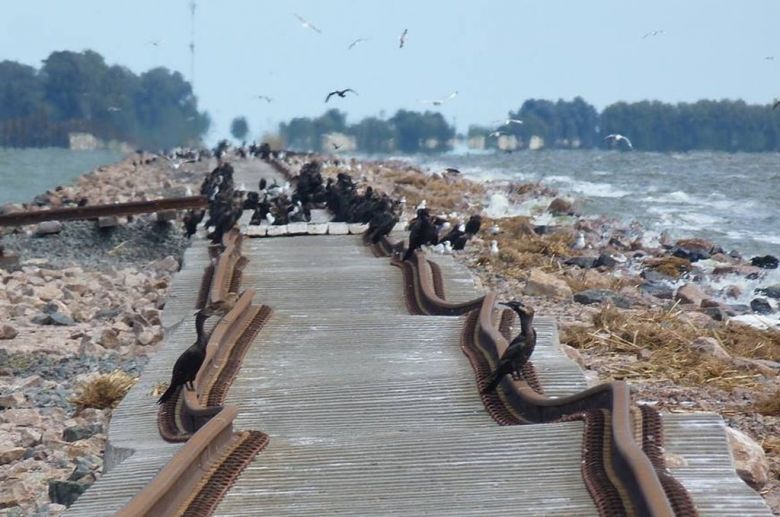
<point>423,231</point>
<point>519,350</point>
<point>263,184</point>
<point>340,93</point>
<point>189,362</point>
<point>191,221</point>
<point>473,224</point>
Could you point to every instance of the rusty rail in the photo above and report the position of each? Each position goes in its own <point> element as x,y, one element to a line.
<point>96,211</point>
<point>228,265</point>
<point>193,477</point>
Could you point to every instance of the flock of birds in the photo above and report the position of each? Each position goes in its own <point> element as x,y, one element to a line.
<point>274,204</point>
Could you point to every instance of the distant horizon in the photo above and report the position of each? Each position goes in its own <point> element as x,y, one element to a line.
<point>495,54</point>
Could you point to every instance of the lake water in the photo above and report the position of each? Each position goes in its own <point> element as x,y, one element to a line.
<point>25,173</point>
<point>731,199</point>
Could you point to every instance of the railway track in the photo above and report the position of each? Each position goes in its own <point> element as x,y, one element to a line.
<point>353,388</point>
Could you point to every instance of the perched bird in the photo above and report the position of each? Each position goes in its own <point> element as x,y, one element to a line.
<point>306,24</point>
<point>519,350</point>
<point>616,137</point>
<point>191,221</point>
<point>340,93</point>
<point>473,224</point>
<point>402,39</point>
<point>495,230</point>
<point>359,40</point>
<point>423,231</point>
<point>452,170</point>
<point>493,248</point>
<point>189,362</point>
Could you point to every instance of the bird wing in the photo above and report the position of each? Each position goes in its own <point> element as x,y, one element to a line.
<point>610,137</point>
<point>350,90</point>
<point>630,145</point>
<point>331,94</point>
<point>453,95</point>
<point>359,40</point>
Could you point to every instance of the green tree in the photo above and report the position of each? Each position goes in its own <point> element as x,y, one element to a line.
<point>239,128</point>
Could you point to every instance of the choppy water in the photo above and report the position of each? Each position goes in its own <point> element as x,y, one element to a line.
<point>732,199</point>
<point>25,173</point>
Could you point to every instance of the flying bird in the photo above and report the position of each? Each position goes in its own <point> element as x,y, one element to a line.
<point>497,133</point>
<point>155,43</point>
<point>265,98</point>
<point>439,102</point>
<point>616,137</point>
<point>336,146</point>
<point>306,24</point>
<point>508,121</point>
<point>114,108</point>
<point>340,93</point>
<point>652,34</point>
<point>354,43</point>
<point>402,39</point>
<point>770,58</point>
<point>452,170</point>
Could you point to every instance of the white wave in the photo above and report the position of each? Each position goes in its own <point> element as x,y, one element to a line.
<point>587,188</point>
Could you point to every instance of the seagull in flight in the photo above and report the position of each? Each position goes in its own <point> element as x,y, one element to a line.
<point>652,34</point>
<point>402,39</point>
<point>155,43</point>
<point>265,98</point>
<point>617,137</point>
<point>497,133</point>
<point>114,108</point>
<point>439,102</point>
<point>770,58</point>
<point>306,24</point>
<point>340,93</point>
<point>508,121</point>
<point>354,43</point>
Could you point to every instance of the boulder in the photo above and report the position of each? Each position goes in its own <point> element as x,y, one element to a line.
<point>583,262</point>
<point>716,313</point>
<point>11,454</point>
<point>80,432</point>
<point>540,283</point>
<point>749,458</point>
<point>12,400</point>
<point>658,290</point>
<point>48,228</point>
<point>773,291</point>
<point>109,338</point>
<point>47,293</point>
<point>8,332</point>
<point>689,293</point>
<point>606,260</point>
<point>560,206</point>
<point>765,262</point>
<point>55,318</point>
<point>710,346</point>
<point>591,296</point>
<point>760,306</point>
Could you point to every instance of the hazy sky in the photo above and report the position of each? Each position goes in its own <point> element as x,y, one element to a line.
<point>495,53</point>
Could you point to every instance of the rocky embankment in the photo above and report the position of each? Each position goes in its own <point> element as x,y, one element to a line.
<point>79,315</point>
<point>690,326</point>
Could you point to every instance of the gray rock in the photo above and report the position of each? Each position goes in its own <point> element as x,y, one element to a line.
<point>773,291</point>
<point>48,228</point>
<point>606,260</point>
<point>65,492</point>
<point>590,296</point>
<point>765,262</point>
<point>658,290</point>
<point>8,332</point>
<point>80,432</point>
<point>760,306</point>
<point>54,318</point>
<point>583,262</point>
<point>655,277</point>
<point>715,313</point>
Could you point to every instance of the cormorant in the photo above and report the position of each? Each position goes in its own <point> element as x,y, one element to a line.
<point>191,221</point>
<point>189,362</point>
<point>519,350</point>
<point>473,224</point>
<point>422,232</point>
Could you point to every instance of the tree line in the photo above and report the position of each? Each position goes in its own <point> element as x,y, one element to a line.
<point>78,91</point>
<point>651,126</point>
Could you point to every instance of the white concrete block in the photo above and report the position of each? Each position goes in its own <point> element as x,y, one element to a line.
<point>338,229</point>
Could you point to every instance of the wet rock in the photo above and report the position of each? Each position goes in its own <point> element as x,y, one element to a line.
<point>732,291</point>
<point>658,290</point>
<point>80,432</point>
<point>10,454</point>
<point>693,249</point>
<point>749,458</point>
<point>773,291</point>
<point>540,283</point>
<point>560,206</point>
<point>655,277</point>
<point>591,296</point>
<point>65,492</point>
<point>7,332</point>
<point>760,306</point>
<point>85,466</point>
<point>583,262</point>
<point>48,228</point>
<point>692,255</point>
<point>765,262</point>
<point>710,346</point>
<point>689,293</point>
<point>716,313</point>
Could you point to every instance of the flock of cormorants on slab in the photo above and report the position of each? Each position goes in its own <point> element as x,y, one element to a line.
<point>283,204</point>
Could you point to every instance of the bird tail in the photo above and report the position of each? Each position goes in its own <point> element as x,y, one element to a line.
<point>408,254</point>
<point>492,384</point>
<point>170,392</point>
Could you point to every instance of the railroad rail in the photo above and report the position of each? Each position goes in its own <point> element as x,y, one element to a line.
<point>366,405</point>
<point>105,210</point>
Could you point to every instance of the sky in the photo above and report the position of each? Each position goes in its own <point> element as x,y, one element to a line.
<point>495,54</point>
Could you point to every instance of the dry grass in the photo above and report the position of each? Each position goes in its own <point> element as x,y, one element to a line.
<point>581,279</point>
<point>770,406</point>
<point>670,266</point>
<point>103,391</point>
<point>665,341</point>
